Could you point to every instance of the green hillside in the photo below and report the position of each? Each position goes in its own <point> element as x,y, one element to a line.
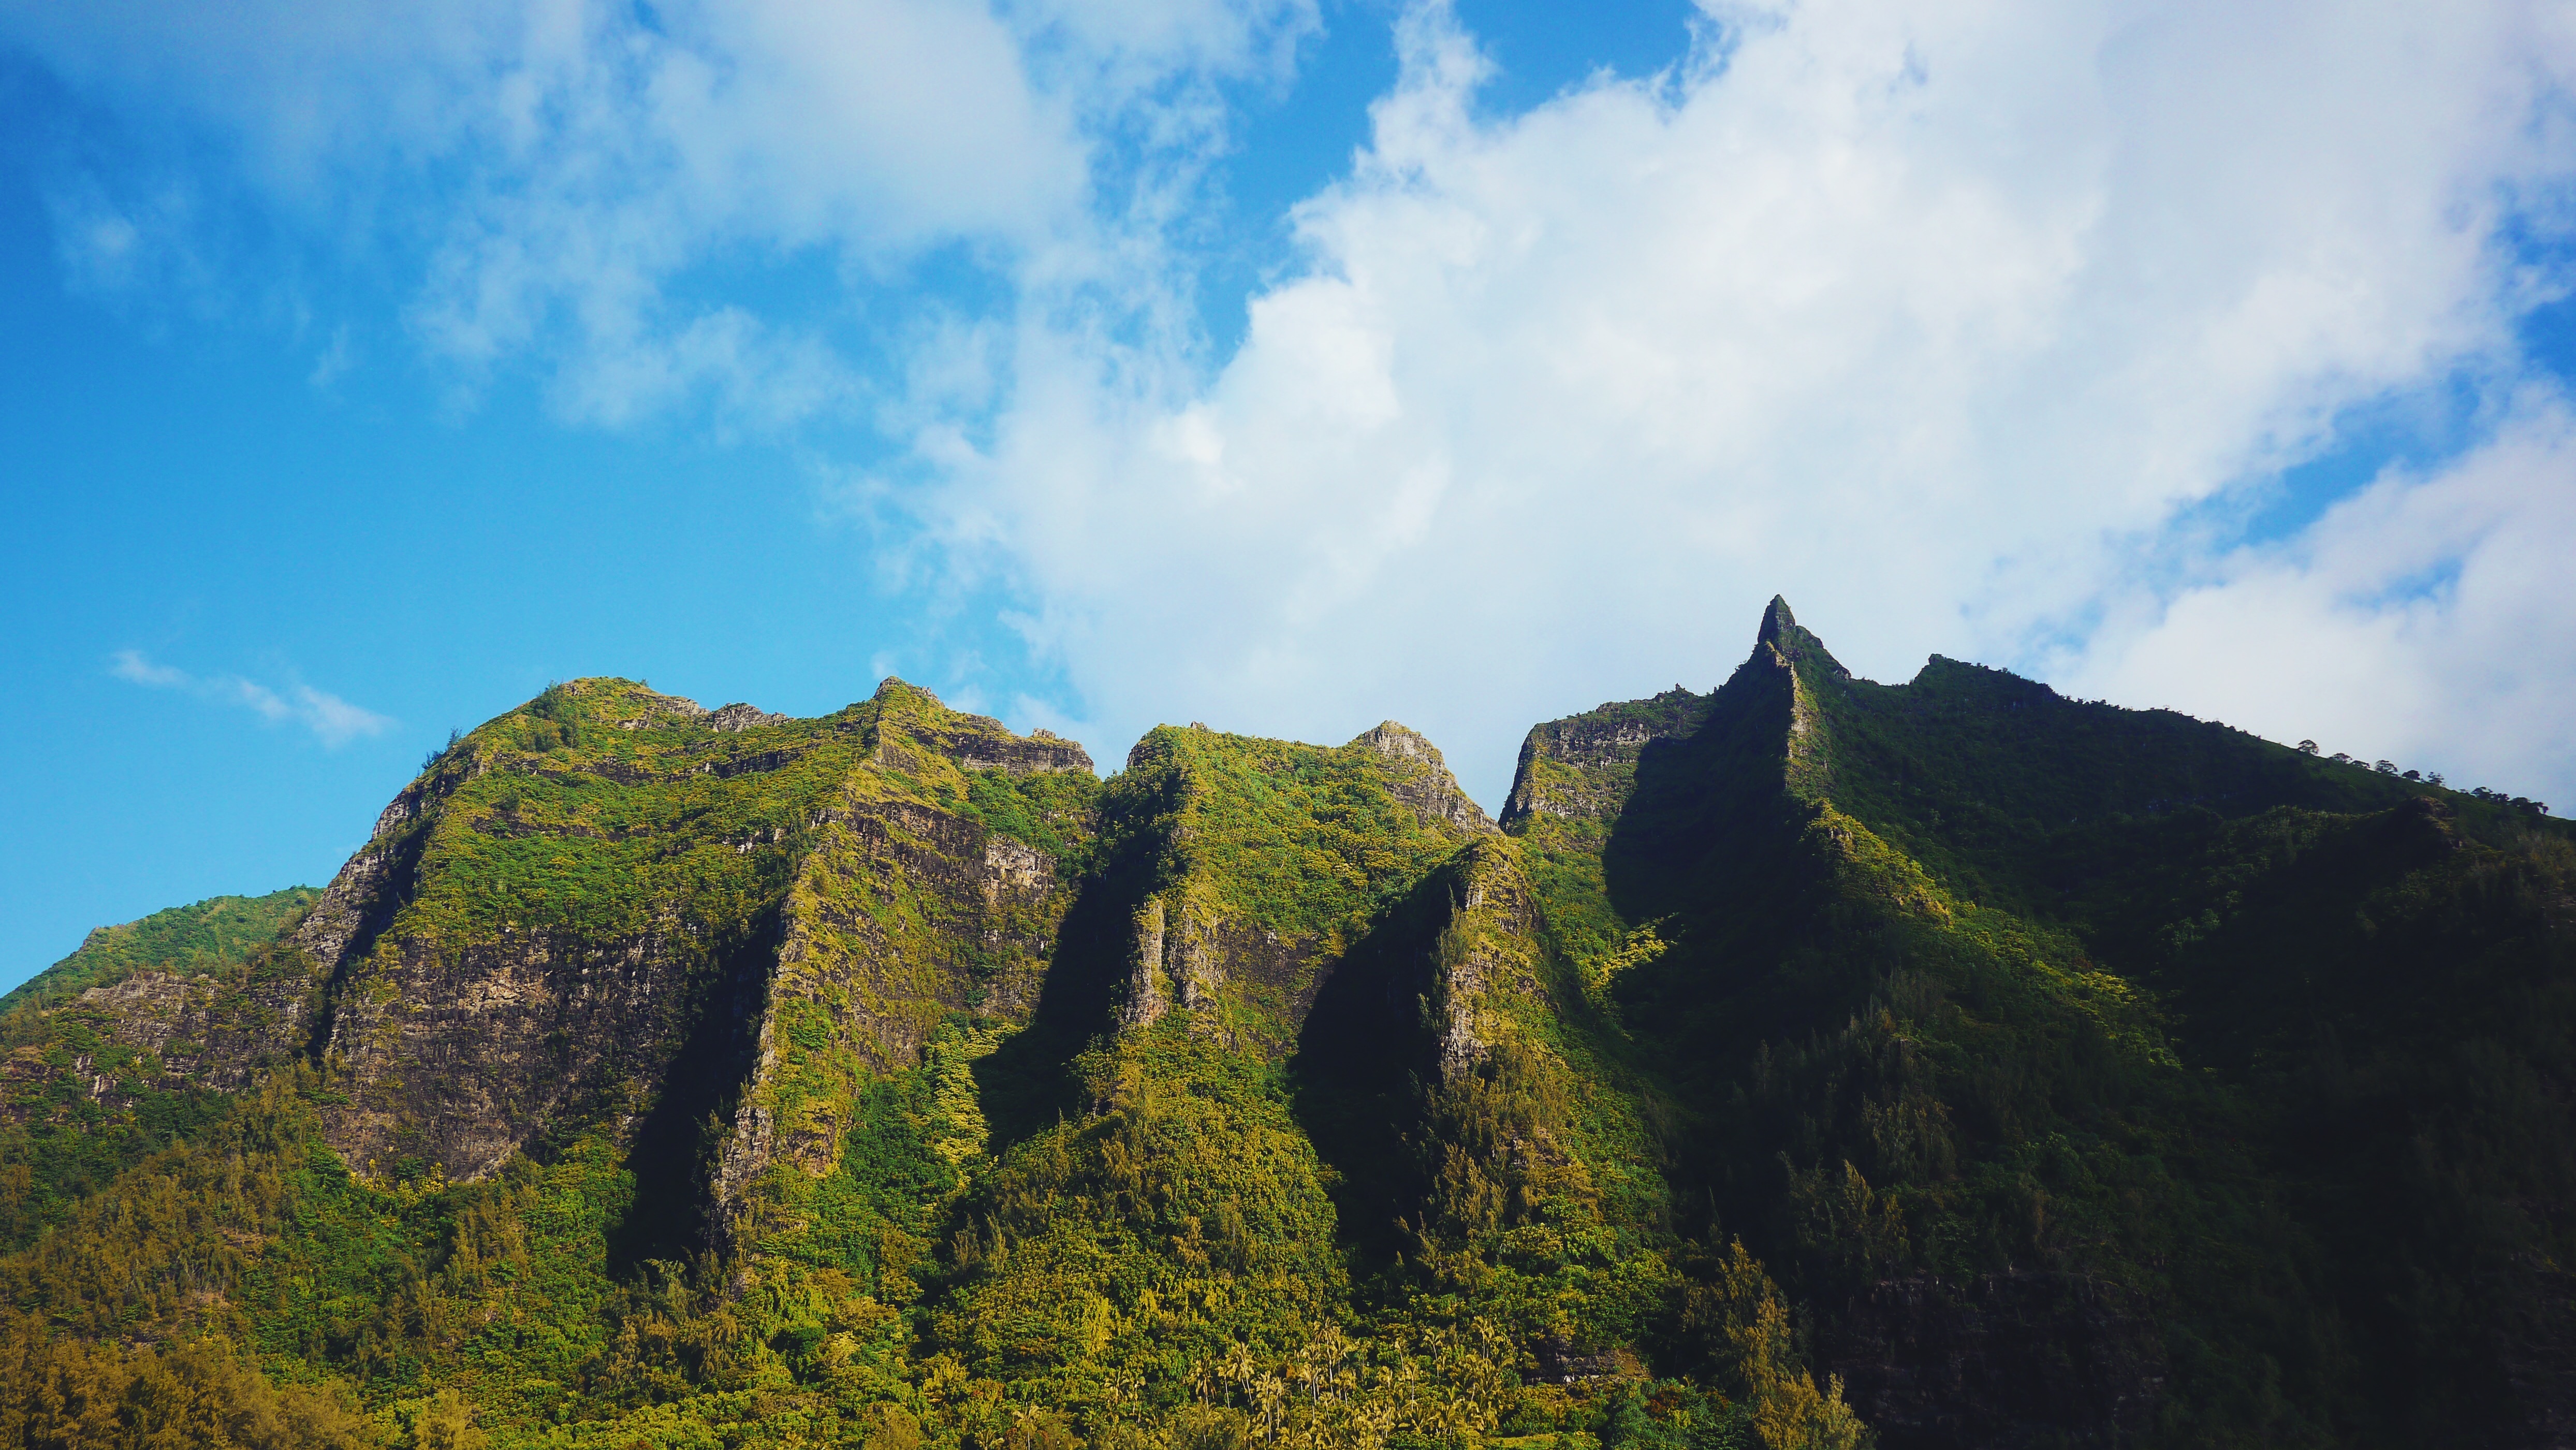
<point>78,1105</point>
<point>1809,1063</point>
<point>188,941</point>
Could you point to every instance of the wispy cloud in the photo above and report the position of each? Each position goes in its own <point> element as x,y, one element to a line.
<point>332,720</point>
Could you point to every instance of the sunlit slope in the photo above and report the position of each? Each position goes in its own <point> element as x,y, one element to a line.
<point>185,941</point>
<point>579,893</point>
<point>128,1042</point>
<point>598,985</point>
<point>1179,1206</point>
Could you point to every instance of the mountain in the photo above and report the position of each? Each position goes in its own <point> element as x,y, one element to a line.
<point>1807,1062</point>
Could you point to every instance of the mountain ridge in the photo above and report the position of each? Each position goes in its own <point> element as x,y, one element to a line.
<point>1804,1062</point>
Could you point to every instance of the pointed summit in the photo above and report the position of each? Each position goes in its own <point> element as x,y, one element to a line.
<point>1793,642</point>
<point>1776,621</point>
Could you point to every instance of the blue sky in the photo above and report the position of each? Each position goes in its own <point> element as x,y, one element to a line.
<point>1283,366</point>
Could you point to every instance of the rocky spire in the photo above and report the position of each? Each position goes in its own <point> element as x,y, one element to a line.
<point>1776,621</point>
<point>1781,631</point>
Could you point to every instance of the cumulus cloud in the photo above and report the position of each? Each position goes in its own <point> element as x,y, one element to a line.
<point>1940,319</point>
<point>1968,327</point>
<point>333,721</point>
<point>2423,619</point>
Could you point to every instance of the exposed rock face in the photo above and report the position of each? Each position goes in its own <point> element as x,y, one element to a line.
<point>1488,957</point>
<point>1556,1361</point>
<point>463,1015</point>
<point>902,913</point>
<point>200,997</point>
<point>739,716</point>
<point>214,1032</point>
<point>984,745</point>
<point>175,1023</point>
<point>156,1031</point>
<point>460,1057</point>
<point>1148,969</point>
<point>1582,768</point>
<point>2006,1360</point>
<point>1189,955</point>
<point>362,897</point>
<point>1233,824</point>
<point>1423,780</point>
<point>1721,940</point>
<point>453,1040</point>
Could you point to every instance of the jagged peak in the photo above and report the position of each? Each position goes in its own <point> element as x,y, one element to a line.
<point>642,707</point>
<point>1399,741</point>
<point>1794,643</point>
<point>895,690</point>
<point>976,742</point>
<point>742,716</point>
<point>1776,620</point>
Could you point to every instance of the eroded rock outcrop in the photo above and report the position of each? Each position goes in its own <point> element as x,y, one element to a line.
<point>1265,861</point>
<point>1421,779</point>
<point>904,912</point>
<point>578,893</point>
<point>1488,956</point>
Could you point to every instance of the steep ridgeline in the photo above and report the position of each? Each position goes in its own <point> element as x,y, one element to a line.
<point>188,997</point>
<point>2091,1076</point>
<point>608,883</point>
<point>1307,1100</point>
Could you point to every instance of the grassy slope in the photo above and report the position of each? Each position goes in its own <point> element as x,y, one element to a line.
<point>1177,1238</point>
<point>529,1293</point>
<point>186,941</point>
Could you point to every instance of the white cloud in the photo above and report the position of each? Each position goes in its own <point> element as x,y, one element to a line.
<point>1959,324</point>
<point>2424,619</point>
<point>1937,318</point>
<point>558,166</point>
<point>333,721</point>
<point>131,665</point>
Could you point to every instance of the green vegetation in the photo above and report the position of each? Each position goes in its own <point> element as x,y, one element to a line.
<point>77,1105</point>
<point>1290,839</point>
<point>886,1080</point>
<point>186,941</point>
<point>1962,987</point>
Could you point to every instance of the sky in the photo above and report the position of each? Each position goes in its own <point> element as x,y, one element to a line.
<point>1287,365</point>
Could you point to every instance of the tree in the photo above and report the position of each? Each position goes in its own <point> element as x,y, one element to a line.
<point>2307,747</point>
<point>446,1423</point>
<point>2386,767</point>
<point>2410,775</point>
